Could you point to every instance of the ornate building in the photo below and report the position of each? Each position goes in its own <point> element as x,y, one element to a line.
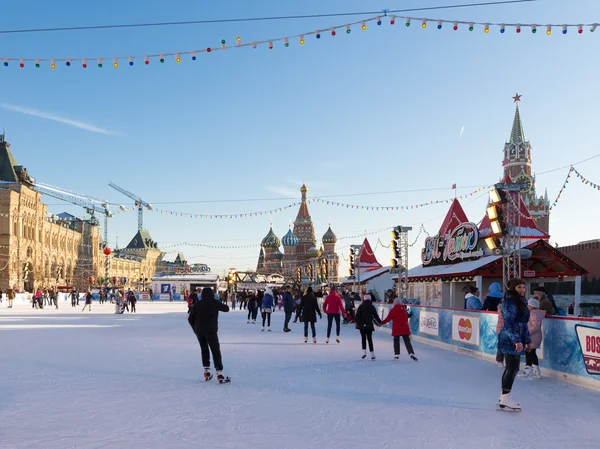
<point>300,250</point>
<point>517,168</point>
<point>42,250</point>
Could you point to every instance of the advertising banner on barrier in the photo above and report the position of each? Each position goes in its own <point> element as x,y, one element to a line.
<point>429,323</point>
<point>465,329</point>
<point>589,343</point>
<point>166,296</point>
<point>144,296</point>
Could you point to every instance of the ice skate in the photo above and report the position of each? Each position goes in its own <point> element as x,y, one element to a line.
<point>315,340</point>
<point>269,329</point>
<point>414,357</point>
<point>364,354</point>
<point>248,322</point>
<point>262,329</point>
<point>507,403</point>
<point>337,338</point>
<point>222,379</point>
<point>305,339</point>
<point>396,356</point>
<point>327,340</point>
<point>207,375</point>
<point>372,355</point>
<point>526,373</point>
<point>500,365</point>
<point>536,373</point>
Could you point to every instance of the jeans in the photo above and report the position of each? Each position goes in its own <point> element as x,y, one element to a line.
<point>531,358</point>
<point>510,372</point>
<point>366,335</point>
<point>330,319</point>
<point>407,343</point>
<point>286,323</point>
<point>312,327</point>
<point>266,316</point>
<point>209,343</point>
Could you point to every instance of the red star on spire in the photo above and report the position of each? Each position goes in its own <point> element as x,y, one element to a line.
<point>517,98</point>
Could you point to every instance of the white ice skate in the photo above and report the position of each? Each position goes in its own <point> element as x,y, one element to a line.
<point>525,374</point>
<point>364,355</point>
<point>372,355</point>
<point>337,338</point>
<point>305,339</point>
<point>396,356</point>
<point>327,340</point>
<point>537,374</point>
<point>507,403</point>
<point>269,329</point>
<point>248,321</point>
<point>315,340</point>
<point>500,365</point>
<point>262,329</point>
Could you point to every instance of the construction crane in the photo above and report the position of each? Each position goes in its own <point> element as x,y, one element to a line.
<point>139,203</point>
<point>91,205</point>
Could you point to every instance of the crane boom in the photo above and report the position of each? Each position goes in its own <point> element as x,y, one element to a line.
<point>139,203</point>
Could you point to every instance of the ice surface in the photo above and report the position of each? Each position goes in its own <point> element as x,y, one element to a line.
<point>70,379</point>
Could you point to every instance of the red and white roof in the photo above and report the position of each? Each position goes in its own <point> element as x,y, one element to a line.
<point>367,261</point>
<point>455,216</point>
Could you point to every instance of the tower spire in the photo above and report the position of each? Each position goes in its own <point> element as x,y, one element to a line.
<point>517,135</point>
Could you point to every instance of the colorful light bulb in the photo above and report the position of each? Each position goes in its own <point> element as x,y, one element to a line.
<point>131,60</point>
<point>99,62</point>
<point>332,32</point>
<point>302,40</point>
<point>162,59</point>
<point>348,30</point>
<point>424,23</point>
<point>518,28</point>
<point>37,63</point>
<point>146,60</point>
<point>270,45</point>
<point>392,20</point>
<point>286,42</point>
<point>549,30</point>
<point>378,20</point>
<point>502,28</point>
<point>208,50</point>
<point>455,27</point>
<point>408,21</point>
<point>486,28</point>
<point>68,63</point>
<point>193,56</point>
<point>593,27</point>
<point>439,25</point>
<point>318,35</point>
<point>470,27</point>
<point>115,63</point>
<point>22,63</point>
<point>580,29</point>
<point>177,58</point>
<point>6,63</point>
<point>534,29</point>
<point>564,29</point>
<point>363,26</point>
<point>223,43</point>
<point>83,63</point>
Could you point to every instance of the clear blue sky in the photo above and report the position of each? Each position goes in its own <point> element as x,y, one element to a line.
<point>376,110</point>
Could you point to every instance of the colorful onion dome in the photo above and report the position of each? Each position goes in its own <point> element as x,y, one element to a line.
<point>290,239</point>
<point>271,240</point>
<point>277,254</point>
<point>329,236</point>
<point>313,252</point>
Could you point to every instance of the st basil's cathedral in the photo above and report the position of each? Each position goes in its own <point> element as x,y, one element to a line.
<point>300,259</point>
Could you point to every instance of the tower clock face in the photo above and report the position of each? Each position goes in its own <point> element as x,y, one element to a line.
<point>526,180</point>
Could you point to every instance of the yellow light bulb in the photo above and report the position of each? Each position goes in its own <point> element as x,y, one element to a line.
<point>301,41</point>
<point>424,25</point>
<point>486,30</point>
<point>549,32</point>
<point>178,59</point>
<point>364,27</point>
<point>115,65</point>
<point>238,38</point>
<point>53,66</point>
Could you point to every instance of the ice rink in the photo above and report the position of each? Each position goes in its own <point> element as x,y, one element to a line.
<point>98,380</point>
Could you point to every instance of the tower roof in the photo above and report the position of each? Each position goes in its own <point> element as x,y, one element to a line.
<point>303,214</point>
<point>368,261</point>
<point>271,240</point>
<point>142,240</point>
<point>455,216</point>
<point>517,135</point>
<point>7,162</point>
<point>329,236</point>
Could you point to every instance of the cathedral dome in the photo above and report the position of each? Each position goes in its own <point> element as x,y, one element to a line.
<point>271,240</point>
<point>290,239</point>
<point>329,236</point>
<point>313,252</point>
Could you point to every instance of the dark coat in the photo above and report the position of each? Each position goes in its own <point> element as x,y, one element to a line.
<point>310,308</point>
<point>288,302</point>
<point>348,302</point>
<point>400,320</point>
<point>366,315</point>
<point>88,298</point>
<point>515,325</point>
<point>491,303</point>
<point>252,302</point>
<point>204,316</point>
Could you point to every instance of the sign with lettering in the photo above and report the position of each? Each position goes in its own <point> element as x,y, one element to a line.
<point>589,342</point>
<point>528,273</point>
<point>460,244</point>
<point>465,329</point>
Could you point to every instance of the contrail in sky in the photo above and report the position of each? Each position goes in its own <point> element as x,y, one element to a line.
<point>462,130</point>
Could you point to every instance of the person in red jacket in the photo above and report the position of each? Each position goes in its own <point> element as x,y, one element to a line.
<point>333,306</point>
<point>400,328</point>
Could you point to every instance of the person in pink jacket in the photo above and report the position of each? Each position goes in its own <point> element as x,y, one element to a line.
<point>333,307</point>
<point>532,367</point>
<point>499,326</point>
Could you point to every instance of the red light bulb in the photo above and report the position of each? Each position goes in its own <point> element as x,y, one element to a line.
<point>333,33</point>
<point>22,65</point>
<point>84,65</point>
<point>208,50</point>
<point>455,27</point>
<point>146,62</point>
<point>392,22</point>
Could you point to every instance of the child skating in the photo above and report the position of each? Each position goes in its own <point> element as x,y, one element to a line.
<point>400,328</point>
<point>366,316</point>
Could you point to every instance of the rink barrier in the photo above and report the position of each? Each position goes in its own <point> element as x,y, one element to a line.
<point>563,355</point>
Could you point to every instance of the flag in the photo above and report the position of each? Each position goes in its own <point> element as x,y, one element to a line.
<point>454,186</point>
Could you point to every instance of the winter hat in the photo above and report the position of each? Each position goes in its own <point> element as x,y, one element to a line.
<point>398,301</point>
<point>533,302</point>
<point>367,297</point>
<point>540,289</point>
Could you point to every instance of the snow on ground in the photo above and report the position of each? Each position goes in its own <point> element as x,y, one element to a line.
<point>98,380</point>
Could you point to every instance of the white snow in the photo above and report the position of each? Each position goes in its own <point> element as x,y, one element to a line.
<point>69,379</point>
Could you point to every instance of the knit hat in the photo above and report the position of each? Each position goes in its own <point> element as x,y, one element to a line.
<point>540,289</point>
<point>367,297</point>
<point>534,302</point>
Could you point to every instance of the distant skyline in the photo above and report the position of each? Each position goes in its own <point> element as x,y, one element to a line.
<point>388,109</point>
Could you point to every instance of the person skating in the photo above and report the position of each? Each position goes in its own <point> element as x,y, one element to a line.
<point>366,316</point>
<point>37,299</point>
<point>204,319</point>
<point>532,366</point>
<point>74,295</point>
<point>400,328</point>
<point>132,301</point>
<point>348,306</point>
<point>333,307</point>
<point>298,307</point>
<point>513,340</point>
<point>10,297</point>
<point>310,310</point>
<point>494,298</point>
<point>266,308</point>
<point>252,308</point>
<point>53,297</point>
<point>288,308</point>
<point>88,301</point>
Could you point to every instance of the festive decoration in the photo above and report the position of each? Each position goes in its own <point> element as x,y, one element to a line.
<point>91,280</point>
<point>485,26</point>
<point>107,251</point>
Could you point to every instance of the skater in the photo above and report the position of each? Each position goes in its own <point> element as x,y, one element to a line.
<point>88,301</point>
<point>132,301</point>
<point>298,307</point>
<point>366,315</point>
<point>310,310</point>
<point>288,308</point>
<point>37,299</point>
<point>513,340</point>
<point>349,306</point>
<point>400,328</point>
<point>494,298</point>
<point>532,366</point>
<point>74,295</point>
<point>54,297</point>
<point>267,307</point>
<point>472,301</point>
<point>333,307</point>
<point>204,319</point>
<point>10,297</point>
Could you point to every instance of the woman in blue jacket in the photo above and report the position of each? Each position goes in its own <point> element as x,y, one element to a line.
<point>267,305</point>
<point>514,338</point>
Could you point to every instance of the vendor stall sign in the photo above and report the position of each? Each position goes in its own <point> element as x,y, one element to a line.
<point>458,245</point>
<point>429,323</point>
<point>465,329</point>
<point>589,342</point>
